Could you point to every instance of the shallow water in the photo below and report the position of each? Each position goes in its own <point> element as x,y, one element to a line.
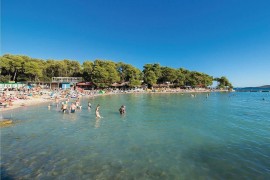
<point>162,136</point>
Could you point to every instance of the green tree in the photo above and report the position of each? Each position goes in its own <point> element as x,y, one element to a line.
<point>167,75</point>
<point>223,83</point>
<point>12,65</point>
<point>100,76</point>
<point>33,70</point>
<point>180,78</point>
<point>134,82</point>
<point>74,68</point>
<point>156,68</point>
<point>152,72</point>
<point>52,69</point>
<point>150,78</point>
<point>87,70</point>
<point>130,74</point>
<point>112,70</point>
<point>104,73</point>
<point>4,67</point>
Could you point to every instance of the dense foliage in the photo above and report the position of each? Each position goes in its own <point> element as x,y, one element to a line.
<point>102,73</point>
<point>223,82</point>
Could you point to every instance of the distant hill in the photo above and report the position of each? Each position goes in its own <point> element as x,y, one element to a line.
<point>265,86</point>
<point>258,87</point>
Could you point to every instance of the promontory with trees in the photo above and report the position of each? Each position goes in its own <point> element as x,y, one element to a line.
<point>103,73</point>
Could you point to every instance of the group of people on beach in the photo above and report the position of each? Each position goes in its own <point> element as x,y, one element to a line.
<point>7,100</point>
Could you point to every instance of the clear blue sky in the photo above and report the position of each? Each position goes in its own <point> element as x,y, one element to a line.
<point>218,37</point>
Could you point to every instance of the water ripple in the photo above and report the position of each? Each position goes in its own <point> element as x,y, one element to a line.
<point>225,136</point>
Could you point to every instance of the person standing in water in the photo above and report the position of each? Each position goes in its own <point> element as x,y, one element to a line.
<point>56,101</point>
<point>64,107</point>
<point>78,104</point>
<point>97,111</point>
<point>122,109</point>
<point>72,108</point>
<point>89,105</point>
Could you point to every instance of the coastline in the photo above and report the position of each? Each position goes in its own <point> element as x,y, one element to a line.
<point>26,103</point>
<point>32,101</point>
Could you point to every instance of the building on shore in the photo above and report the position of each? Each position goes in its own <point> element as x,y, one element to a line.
<point>123,85</point>
<point>64,82</point>
<point>86,85</point>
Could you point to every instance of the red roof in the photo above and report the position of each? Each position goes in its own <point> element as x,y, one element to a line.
<point>84,84</point>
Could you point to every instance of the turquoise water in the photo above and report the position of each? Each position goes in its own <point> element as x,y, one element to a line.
<point>162,136</point>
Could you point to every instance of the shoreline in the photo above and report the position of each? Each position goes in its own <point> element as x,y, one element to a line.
<point>17,104</point>
<point>32,101</point>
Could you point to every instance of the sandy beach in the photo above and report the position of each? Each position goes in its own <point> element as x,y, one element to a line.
<point>23,103</point>
<point>31,101</point>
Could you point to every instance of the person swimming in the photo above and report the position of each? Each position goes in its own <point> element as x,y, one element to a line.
<point>122,109</point>
<point>97,111</point>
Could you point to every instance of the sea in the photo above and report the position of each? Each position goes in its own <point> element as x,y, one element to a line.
<point>252,89</point>
<point>219,135</point>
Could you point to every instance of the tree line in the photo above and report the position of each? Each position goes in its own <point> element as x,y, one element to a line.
<point>20,68</point>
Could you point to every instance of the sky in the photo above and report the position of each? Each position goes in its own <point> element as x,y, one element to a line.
<point>219,37</point>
